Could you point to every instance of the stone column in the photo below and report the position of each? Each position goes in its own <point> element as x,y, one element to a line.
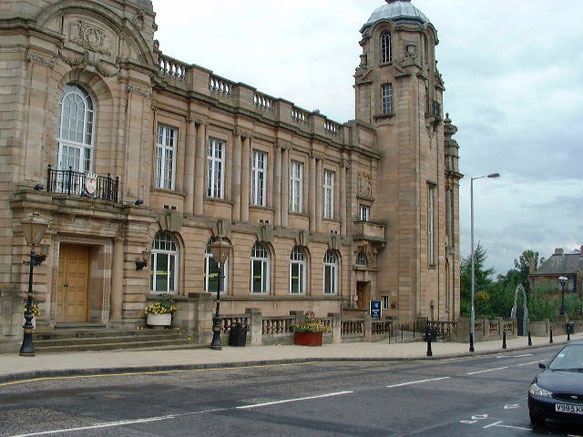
<point>343,196</point>
<point>245,179</point>
<point>312,194</point>
<point>236,190</point>
<point>319,190</point>
<point>284,187</point>
<point>200,160</point>
<point>189,166</point>
<point>255,328</point>
<point>277,186</point>
<point>117,280</point>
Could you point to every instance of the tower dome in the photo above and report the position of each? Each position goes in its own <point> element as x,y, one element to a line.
<point>396,10</point>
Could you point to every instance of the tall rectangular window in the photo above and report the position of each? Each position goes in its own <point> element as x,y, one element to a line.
<point>387,98</point>
<point>328,194</point>
<point>296,172</point>
<point>215,169</point>
<point>431,224</point>
<point>364,215</point>
<point>259,178</point>
<point>165,152</point>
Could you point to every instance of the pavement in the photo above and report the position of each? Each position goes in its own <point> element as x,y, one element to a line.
<point>44,365</point>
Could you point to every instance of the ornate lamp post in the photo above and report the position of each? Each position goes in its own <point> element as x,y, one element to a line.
<point>473,316</point>
<point>33,230</point>
<point>220,249</point>
<point>563,281</point>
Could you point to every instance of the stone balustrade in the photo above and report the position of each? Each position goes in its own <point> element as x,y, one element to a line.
<point>172,68</point>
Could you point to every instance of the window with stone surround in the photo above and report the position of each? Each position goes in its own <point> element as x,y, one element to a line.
<point>296,173</point>
<point>76,127</point>
<point>364,213</point>
<point>331,272</point>
<point>164,264</point>
<point>387,98</point>
<point>297,271</point>
<point>165,157</point>
<point>386,47</point>
<point>361,259</point>
<point>328,194</point>
<point>216,169</point>
<point>431,224</point>
<point>259,269</point>
<point>259,178</point>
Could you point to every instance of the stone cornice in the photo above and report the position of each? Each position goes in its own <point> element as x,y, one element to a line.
<point>41,60</point>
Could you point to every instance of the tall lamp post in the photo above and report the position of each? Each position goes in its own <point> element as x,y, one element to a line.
<point>473,316</point>
<point>563,281</point>
<point>220,248</point>
<point>33,230</point>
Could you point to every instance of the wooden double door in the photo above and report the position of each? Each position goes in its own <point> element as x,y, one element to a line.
<point>73,283</point>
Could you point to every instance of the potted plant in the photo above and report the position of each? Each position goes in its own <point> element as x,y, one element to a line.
<point>34,312</point>
<point>309,332</point>
<point>161,312</point>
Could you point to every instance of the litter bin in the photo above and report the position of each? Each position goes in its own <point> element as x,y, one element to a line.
<point>570,327</point>
<point>237,335</point>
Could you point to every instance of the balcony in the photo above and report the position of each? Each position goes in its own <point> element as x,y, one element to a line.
<point>74,183</point>
<point>374,233</point>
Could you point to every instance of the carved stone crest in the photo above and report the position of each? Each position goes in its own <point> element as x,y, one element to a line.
<point>38,59</point>
<point>139,90</point>
<point>364,184</point>
<point>91,37</point>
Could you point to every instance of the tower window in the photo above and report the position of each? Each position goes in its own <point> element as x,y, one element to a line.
<point>328,194</point>
<point>431,225</point>
<point>387,98</point>
<point>386,49</point>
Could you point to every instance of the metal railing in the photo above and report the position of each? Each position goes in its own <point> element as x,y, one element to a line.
<point>73,183</point>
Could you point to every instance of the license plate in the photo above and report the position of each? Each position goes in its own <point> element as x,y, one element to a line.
<point>568,408</point>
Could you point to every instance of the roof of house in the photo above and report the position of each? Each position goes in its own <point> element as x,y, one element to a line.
<point>569,263</point>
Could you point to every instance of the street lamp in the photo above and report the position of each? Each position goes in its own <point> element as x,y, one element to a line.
<point>473,316</point>
<point>220,249</point>
<point>33,230</point>
<point>563,281</point>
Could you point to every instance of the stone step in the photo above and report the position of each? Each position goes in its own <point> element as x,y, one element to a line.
<point>84,333</point>
<point>141,344</point>
<point>66,341</point>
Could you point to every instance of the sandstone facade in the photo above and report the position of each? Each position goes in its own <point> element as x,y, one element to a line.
<point>181,156</point>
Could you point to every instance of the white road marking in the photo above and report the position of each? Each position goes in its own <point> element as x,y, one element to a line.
<point>480,417</point>
<point>513,427</point>
<point>468,422</point>
<point>285,401</point>
<point>529,363</point>
<point>492,424</point>
<point>511,406</point>
<point>488,370</point>
<point>418,382</point>
<point>514,356</point>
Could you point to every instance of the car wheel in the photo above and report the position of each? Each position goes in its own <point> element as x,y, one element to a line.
<point>538,421</point>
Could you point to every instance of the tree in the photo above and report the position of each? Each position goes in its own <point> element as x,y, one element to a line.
<point>483,281</point>
<point>522,264</point>
<point>541,308</point>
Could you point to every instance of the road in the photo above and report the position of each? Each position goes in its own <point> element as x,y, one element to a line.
<point>478,396</point>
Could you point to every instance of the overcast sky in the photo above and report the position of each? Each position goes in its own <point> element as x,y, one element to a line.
<point>513,71</point>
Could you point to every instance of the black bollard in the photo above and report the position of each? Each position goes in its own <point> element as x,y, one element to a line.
<point>402,328</point>
<point>504,340</point>
<point>568,335</point>
<point>471,342</point>
<point>551,335</point>
<point>429,351</point>
<point>529,339</point>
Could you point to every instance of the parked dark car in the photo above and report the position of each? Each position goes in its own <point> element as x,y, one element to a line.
<point>557,392</point>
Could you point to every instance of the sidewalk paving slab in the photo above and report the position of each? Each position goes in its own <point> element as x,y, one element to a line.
<point>16,368</point>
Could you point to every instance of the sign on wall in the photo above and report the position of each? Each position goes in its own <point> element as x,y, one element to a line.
<point>375,309</point>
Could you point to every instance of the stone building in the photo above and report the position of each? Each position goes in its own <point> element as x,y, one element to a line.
<point>137,158</point>
<point>568,265</point>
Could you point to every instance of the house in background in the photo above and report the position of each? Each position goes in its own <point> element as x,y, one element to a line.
<point>569,265</point>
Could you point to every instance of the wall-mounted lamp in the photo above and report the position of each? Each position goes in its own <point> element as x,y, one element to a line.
<point>139,202</point>
<point>39,187</point>
<point>141,263</point>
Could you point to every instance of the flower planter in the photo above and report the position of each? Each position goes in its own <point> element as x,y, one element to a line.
<point>159,320</point>
<point>308,338</point>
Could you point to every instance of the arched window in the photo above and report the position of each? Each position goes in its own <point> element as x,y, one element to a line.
<point>211,273</point>
<point>330,273</point>
<point>386,49</point>
<point>164,264</point>
<point>361,259</point>
<point>76,125</point>
<point>259,269</point>
<point>297,271</point>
